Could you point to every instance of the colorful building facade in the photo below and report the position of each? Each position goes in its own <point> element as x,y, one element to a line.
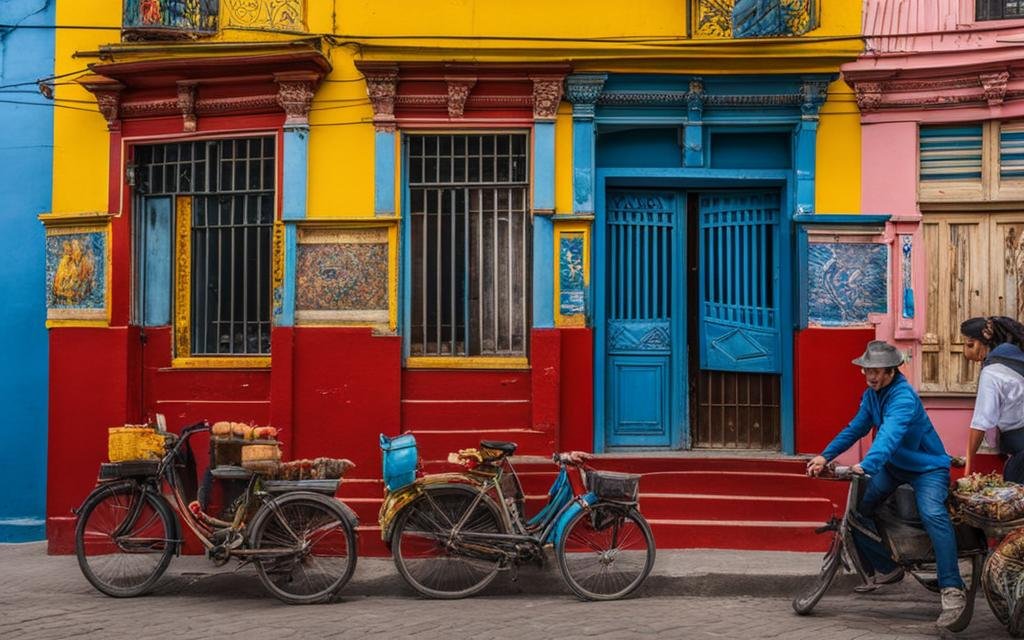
<point>939,91</point>
<point>26,153</point>
<point>571,230</point>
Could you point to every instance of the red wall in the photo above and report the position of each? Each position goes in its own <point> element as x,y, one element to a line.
<point>828,385</point>
<point>577,390</point>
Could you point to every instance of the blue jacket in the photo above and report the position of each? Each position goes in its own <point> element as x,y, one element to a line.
<point>906,438</point>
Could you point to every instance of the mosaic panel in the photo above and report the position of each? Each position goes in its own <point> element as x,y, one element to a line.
<point>342,276</point>
<point>172,15</point>
<point>265,14</point>
<point>846,282</point>
<point>76,274</point>
<point>570,275</point>
<point>755,18</point>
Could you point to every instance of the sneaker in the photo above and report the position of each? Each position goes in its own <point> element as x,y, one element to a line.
<point>879,579</point>
<point>954,603</point>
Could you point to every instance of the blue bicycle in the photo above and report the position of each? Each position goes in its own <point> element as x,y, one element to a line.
<point>451,533</point>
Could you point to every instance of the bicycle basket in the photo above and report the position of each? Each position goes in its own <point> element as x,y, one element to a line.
<point>400,459</point>
<point>617,487</point>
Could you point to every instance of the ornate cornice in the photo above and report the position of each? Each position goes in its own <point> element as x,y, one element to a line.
<point>187,104</point>
<point>295,95</point>
<point>813,93</point>
<point>695,98</point>
<point>381,87</point>
<point>108,97</point>
<point>893,90</point>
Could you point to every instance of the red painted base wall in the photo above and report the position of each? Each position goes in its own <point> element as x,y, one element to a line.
<point>828,386</point>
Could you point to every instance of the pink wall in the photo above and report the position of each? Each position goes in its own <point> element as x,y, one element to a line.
<point>889,168</point>
<point>931,25</point>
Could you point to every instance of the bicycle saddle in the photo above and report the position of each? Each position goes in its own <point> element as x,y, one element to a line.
<point>508,448</point>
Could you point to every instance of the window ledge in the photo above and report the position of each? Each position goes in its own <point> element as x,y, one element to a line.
<point>245,362</point>
<point>474,362</point>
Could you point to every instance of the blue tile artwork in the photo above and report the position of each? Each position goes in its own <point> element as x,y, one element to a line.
<point>75,271</point>
<point>846,282</point>
<point>570,275</point>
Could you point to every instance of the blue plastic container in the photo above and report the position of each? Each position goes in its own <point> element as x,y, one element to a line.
<point>400,458</point>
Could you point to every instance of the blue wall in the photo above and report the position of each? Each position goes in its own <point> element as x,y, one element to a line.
<point>26,154</point>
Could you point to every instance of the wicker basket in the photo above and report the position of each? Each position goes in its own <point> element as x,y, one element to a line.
<point>134,443</point>
<point>261,456</point>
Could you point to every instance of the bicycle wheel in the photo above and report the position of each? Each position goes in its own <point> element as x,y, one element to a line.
<point>804,603</point>
<point>437,562</point>
<point>124,539</point>
<point>606,552</point>
<point>309,547</point>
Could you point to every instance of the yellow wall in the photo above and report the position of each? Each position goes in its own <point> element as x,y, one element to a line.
<point>342,137</point>
<point>837,166</point>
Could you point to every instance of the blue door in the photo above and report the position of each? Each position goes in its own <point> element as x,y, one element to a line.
<point>739,282</point>
<point>644,306</point>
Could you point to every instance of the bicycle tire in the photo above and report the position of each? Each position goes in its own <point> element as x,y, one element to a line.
<point>444,571</point>
<point>606,552</point>
<point>124,547</point>
<point>324,542</point>
<point>804,603</point>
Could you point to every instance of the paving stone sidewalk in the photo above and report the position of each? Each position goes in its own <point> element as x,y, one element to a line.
<point>691,594</point>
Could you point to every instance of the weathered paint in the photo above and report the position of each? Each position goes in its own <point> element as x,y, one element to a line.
<point>26,152</point>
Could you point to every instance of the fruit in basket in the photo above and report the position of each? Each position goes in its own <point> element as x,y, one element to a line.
<point>221,429</point>
<point>240,430</point>
<point>330,468</point>
<point>264,433</point>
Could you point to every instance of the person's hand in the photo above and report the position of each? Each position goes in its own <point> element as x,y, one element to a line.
<point>859,470</point>
<point>815,465</point>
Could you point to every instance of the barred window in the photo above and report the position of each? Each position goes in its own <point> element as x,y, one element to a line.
<point>470,244</point>
<point>999,9</point>
<point>223,191</point>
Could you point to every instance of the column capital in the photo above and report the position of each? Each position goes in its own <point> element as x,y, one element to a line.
<point>583,90</point>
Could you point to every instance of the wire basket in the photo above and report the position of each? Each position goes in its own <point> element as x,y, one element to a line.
<point>134,443</point>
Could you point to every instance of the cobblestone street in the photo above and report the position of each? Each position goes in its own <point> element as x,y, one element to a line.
<point>47,597</point>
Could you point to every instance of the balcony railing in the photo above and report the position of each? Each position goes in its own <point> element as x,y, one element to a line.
<point>170,18</point>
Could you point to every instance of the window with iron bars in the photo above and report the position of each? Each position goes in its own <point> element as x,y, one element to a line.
<point>229,188</point>
<point>470,244</point>
<point>998,9</point>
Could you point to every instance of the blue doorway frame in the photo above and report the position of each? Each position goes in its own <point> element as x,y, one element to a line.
<point>684,180</point>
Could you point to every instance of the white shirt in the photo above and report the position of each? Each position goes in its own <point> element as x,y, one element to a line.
<point>1000,402</point>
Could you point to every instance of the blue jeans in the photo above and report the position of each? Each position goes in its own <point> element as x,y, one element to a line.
<point>931,489</point>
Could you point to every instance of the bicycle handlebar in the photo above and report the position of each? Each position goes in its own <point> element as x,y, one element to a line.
<point>572,458</point>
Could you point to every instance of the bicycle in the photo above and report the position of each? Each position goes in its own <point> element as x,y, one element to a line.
<point>301,542</point>
<point>451,533</point>
<point>900,530</point>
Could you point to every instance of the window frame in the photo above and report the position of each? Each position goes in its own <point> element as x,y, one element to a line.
<point>466,359</point>
<point>991,187</point>
<point>182,270</point>
<point>1001,4</point>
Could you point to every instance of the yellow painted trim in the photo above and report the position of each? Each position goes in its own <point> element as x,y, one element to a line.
<point>217,362</point>
<point>562,227</point>
<point>183,278</point>
<point>62,324</point>
<point>475,362</point>
<point>94,219</point>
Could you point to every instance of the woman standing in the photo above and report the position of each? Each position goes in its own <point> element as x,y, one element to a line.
<point>997,343</point>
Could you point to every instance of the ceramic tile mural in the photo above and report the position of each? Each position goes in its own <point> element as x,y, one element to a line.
<point>342,276</point>
<point>176,15</point>
<point>755,18</point>
<point>570,275</point>
<point>76,274</point>
<point>846,282</point>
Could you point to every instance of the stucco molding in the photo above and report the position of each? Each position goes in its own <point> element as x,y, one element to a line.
<point>108,97</point>
<point>458,93</point>
<point>381,87</point>
<point>187,105</point>
<point>929,88</point>
<point>547,93</point>
<point>584,90</point>
<point>994,86</point>
<point>295,95</point>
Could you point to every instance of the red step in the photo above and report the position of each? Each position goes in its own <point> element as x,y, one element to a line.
<point>644,464</point>
<point>475,384</point>
<point>738,534</point>
<point>724,508</point>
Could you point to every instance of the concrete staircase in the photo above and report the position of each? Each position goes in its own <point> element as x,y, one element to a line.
<point>692,501</point>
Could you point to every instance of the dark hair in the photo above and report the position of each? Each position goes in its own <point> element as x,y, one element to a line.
<point>994,330</point>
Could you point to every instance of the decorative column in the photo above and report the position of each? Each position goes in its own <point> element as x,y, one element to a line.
<point>294,95</point>
<point>693,138</point>
<point>813,92</point>
<point>381,86</point>
<point>547,93</point>
<point>582,90</point>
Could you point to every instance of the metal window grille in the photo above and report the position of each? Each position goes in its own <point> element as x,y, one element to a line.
<point>232,187</point>
<point>470,244</point>
<point>999,9</point>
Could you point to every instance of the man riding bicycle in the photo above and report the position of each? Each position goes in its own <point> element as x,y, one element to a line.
<point>906,450</point>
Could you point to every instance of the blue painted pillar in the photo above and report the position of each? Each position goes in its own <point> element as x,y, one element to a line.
<point>814,91</point>
<point>547,94</point>
<point>294,184</point>
<point>384,172</point>
<point>582,90</point>
<point>693,135</point>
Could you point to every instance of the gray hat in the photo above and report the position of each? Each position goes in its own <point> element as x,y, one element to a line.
<point>879,355</point>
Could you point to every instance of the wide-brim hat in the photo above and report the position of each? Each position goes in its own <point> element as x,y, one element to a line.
<point>879,355</point>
